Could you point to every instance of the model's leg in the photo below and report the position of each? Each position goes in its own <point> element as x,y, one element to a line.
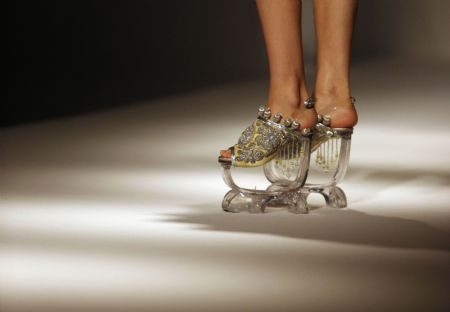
<point>281,24</point>
<point>334,21</point>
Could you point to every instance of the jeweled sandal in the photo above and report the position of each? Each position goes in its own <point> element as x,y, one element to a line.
<point>330,152</point>
<point>284,155</point>
<point>260,142</point>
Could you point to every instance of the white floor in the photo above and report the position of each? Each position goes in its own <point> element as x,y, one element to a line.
<point>120,210</point>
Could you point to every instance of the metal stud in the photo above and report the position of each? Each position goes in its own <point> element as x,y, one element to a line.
<point>267,113</point>
<point>306,131</point>
<point>288,122</point>
<point>277,117</point>
<point>295,124</point>
<point>326,120</point>
<point>309,102</point>
<point>319,118</point>
<point>261,111</point>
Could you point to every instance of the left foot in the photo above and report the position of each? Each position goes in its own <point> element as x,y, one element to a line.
<point>342,111</point>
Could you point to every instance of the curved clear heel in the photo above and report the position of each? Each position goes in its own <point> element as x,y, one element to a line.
<point>329,162</point>
<point>286,173</point>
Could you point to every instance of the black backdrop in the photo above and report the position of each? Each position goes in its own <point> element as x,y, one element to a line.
<point>68,57</point>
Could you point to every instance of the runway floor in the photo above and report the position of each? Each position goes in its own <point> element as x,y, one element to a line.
<point>120,210</point>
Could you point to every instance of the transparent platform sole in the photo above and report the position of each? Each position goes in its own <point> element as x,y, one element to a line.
<point>328,165</point>
<point>286,174</point>
<point>321,162</point>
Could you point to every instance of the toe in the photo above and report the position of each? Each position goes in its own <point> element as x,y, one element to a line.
<point>225,153</point>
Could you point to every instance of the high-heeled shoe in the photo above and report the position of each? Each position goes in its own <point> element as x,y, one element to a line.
<point>330,152</point>
<point>260,142</point>
<point>283,153</point>
<point>326,139</point>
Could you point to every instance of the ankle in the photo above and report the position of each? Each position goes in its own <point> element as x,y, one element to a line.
<point>332,87</point>
<point>332,96</point>
<point>283,102</point>
<point>332,93</point>
<point>286,96</point>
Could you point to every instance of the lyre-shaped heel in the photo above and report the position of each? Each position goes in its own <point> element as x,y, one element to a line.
<point>286,174</point>
<point>329,162</point>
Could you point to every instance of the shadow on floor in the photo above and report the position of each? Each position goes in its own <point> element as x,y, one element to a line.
<point>326,224</point>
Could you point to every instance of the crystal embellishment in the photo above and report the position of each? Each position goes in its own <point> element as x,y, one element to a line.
<point>258,141</point>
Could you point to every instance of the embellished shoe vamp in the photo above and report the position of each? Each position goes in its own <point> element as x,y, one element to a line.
<point>258,141</point>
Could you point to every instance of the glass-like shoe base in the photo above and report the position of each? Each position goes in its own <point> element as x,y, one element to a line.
<point>235,201</point>
<point>329,164</point>
<point>295,201</point>
<point>286,173</point>
<point>334,196</point>
<point>327,168</point>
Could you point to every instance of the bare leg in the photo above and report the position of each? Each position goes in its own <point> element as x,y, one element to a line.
<point>334,21</point>
<point>281,24</point>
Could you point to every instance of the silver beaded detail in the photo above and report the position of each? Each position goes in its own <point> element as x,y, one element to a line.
<point>277,117</point>
<point>295,124</point>
<point>261,111</point>
<point>306,131</point>
<point>309,102</point>
<point>288,122</point>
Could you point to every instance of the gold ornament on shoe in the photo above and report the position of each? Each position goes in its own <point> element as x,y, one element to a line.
<point>260,142</point>
<point>257,142</point>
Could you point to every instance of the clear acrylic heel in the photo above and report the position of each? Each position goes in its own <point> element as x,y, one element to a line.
<point>286,174</point>
<point>330,153</point>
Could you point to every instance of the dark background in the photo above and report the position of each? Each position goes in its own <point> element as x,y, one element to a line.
<point>76,56</point>
<point>70,57</point>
